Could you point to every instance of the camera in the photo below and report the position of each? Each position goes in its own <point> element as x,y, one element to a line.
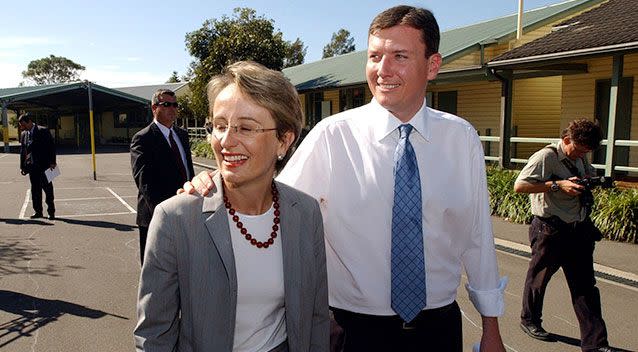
<point>587,197</point>
<point>596,181</point>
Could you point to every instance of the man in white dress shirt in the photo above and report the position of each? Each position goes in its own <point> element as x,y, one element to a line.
<point>346,162</point>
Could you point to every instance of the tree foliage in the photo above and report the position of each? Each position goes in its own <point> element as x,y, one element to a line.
<point>174,78</point>
<point>295,53</point>
<point>244,36</point>
<point>341,43</point>
<point>52,69</point>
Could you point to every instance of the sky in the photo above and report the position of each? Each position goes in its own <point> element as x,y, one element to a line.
<point>127,43</point>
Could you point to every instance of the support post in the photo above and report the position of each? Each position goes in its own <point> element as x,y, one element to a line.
<point>507,83</point>
<point>5,126</point>
<point>613,104</point>
<point>92,127</point>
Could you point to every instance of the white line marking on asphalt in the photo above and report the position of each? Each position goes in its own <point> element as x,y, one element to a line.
<point>4,156</point>
<point>565,321</point>
<point>468,319</point>
<point>121,200</point>
<point>5,183</point>
<point>24,205</point>
<point>73,199</point>
<point>87,215</point>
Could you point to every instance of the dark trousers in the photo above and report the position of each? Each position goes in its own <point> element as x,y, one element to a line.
<point>39,183</point>
<point>143,234</point>
<point>436,329</point>
<point>556,244</point>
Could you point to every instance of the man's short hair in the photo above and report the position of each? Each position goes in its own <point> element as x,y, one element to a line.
<point>417,18</point>
<point>160,92</point>
<point>584,132</point>
<point>25,118</point>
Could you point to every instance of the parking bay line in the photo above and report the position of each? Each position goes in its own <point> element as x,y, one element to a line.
<point>121,200</point>
<point>24,205</point>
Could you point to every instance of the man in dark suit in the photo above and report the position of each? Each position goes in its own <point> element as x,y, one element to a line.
<point>160,158</point>
<point>37,153</point>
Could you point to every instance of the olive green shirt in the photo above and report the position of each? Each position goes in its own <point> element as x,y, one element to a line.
<point>541,166</point>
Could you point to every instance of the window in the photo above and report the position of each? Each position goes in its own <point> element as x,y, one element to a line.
<point>130,118</point>
<point>447,101</point>
<point>350,98</point>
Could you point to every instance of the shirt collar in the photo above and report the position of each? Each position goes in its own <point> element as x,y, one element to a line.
<point>384,123</point>
<point>559,149</point>
<point>165,130</point>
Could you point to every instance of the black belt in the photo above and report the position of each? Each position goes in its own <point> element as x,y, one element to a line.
<point>556,222</point>
<point>392,321</point>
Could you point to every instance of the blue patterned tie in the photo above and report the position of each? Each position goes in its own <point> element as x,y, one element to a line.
<point>408,267</point>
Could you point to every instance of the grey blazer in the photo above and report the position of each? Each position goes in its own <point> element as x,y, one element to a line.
<point>188,286</point>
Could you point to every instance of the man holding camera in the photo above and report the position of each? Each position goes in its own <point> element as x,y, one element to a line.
<point>561,233</point>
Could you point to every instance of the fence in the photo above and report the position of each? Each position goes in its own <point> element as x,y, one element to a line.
<point>618,143</point>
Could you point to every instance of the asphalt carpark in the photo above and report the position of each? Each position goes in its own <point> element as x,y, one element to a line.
<point>70,283</point>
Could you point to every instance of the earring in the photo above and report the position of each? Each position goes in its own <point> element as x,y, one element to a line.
<point>280,157</point>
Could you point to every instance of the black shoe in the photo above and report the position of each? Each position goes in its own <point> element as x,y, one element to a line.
<point>535,331</point>
<point>36,216</point>
<point>606,349</point>
<point>51,216</point>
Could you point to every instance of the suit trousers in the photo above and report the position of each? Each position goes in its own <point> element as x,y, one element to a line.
<point>437,329</point>
<point>39,183</point>
<point>143,234</point>
<point>556,244</point>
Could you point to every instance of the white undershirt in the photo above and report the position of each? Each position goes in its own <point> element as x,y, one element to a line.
<point>260,321</point>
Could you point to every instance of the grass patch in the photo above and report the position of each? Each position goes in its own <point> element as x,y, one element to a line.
<point>202,148</point>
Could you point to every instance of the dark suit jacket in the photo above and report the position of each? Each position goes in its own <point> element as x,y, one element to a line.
<point>188,285</point>
<point>155,169</point>
<point>41,150</point>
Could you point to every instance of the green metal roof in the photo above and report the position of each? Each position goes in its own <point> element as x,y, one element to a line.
<point>26,93</point>
<point>349,69</point>
<point>147,92</point>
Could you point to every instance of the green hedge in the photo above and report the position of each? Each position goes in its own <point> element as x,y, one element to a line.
<point>615,212</point>
<point>201,148</point>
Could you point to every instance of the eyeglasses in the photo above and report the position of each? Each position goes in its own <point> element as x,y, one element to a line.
<point>219,130</point>
<point>167,104</point>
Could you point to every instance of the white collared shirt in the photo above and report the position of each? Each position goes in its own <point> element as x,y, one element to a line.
<point>165,130</point>
<point>346,163</point>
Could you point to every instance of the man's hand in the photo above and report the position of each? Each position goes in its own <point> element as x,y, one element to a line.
<point>52,166</point>
<point>491,339</point>
<point>570,186</point>
<point>202,183</point>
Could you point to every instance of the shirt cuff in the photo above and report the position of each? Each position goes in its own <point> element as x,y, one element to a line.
<point>489,303</point>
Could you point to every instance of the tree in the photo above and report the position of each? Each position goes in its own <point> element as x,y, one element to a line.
<point>174,78</point>
<point>295,53</point>
<point>52,69</point>
<point>244,36</point>
<point>341,43</point>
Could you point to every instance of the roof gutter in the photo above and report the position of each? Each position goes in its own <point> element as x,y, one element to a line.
<point>566,54</point>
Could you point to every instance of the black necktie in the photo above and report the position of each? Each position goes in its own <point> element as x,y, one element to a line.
<point>177,155</point>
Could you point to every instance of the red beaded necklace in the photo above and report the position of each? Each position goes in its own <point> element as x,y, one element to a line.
<point>244,232</point>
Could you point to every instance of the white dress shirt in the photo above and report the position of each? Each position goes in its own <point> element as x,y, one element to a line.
<point>165,131</point>
<point>346,163</point>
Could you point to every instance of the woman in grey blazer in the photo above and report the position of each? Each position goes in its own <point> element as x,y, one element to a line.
<point>242,269</point>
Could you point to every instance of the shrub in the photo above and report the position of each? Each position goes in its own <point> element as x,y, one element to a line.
<point>201,148</point>
<point>503,200</point>
<point>616,213</point>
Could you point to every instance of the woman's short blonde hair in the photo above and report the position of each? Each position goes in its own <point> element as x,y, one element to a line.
<point>267,88</point>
